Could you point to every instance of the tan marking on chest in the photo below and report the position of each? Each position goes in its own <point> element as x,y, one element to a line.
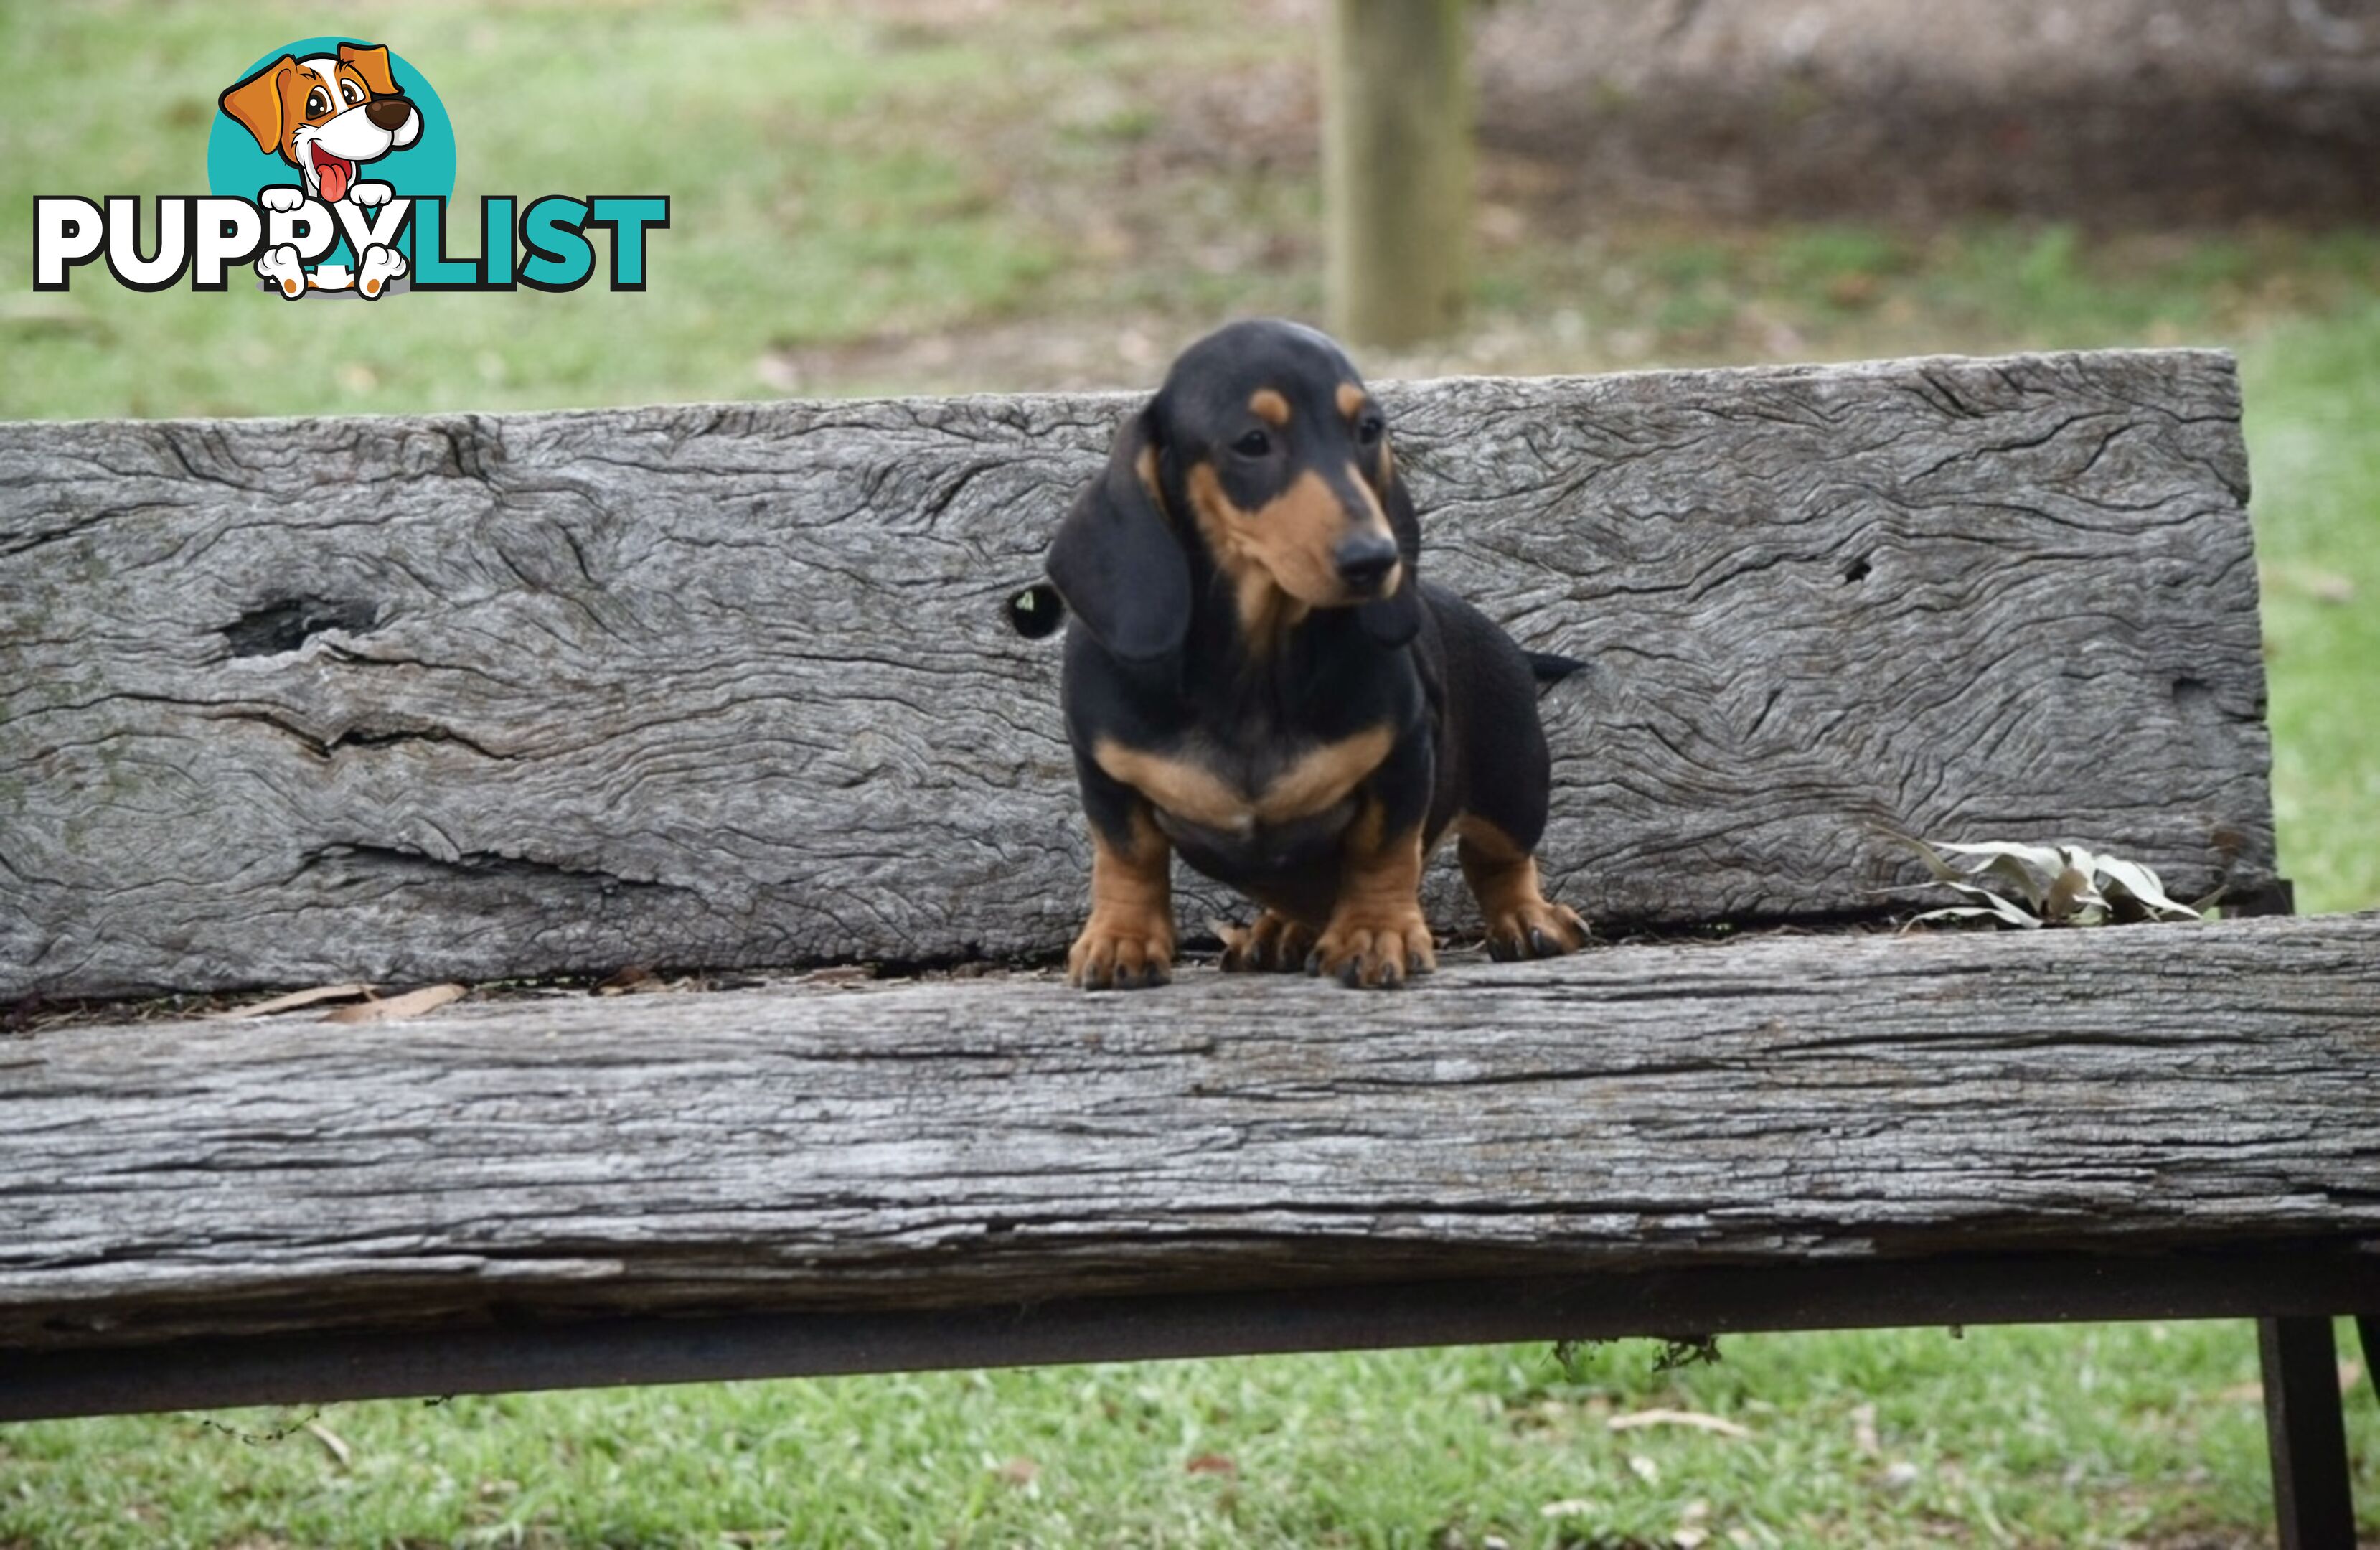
<point>1316,781</point>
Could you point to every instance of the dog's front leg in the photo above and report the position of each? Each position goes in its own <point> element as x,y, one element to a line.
<point>1128,941</point>
<point>1377,934</point>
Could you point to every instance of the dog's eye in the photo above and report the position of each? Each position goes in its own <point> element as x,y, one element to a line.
<point>316,101</point>
<point>1368,428</point>
<point>1255,443</point>
<point>351,92</point>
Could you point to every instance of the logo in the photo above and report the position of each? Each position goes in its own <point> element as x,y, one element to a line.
<point>330,162</point>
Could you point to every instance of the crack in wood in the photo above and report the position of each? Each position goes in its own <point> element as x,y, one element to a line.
<point>283,627</point>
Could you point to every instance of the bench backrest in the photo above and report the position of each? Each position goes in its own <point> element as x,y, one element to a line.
<point>484,696</point>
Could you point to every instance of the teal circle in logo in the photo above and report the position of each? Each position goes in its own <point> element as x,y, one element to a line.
<point>235,167</point>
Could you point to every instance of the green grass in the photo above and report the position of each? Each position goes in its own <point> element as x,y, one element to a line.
<point>2073,1436</point>
<point>932,198</point>
<point>2312,396</point>
<point>802,206</point>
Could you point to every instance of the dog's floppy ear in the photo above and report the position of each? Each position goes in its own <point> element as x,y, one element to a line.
<point>372,64</point>
<point>256,104</point>
<point>1396,618</point>
<point>1116,560</point>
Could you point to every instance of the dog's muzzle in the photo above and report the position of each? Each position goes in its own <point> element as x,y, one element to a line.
<point>1365,561</point>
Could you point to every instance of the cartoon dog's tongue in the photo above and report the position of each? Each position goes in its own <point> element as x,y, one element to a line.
<point>334,173</point>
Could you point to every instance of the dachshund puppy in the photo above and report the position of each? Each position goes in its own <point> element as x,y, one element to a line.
<point>1256,676</point>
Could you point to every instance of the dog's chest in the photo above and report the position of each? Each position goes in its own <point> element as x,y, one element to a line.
<point>1220,796</point>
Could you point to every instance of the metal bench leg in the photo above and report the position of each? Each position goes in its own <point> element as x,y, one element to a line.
<point>2308,1435</point>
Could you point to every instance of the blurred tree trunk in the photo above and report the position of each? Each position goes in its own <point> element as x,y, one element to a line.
<point>1396,168</point>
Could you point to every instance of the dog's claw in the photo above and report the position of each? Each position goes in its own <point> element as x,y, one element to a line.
<point>1378,956</point>
<point>1537,930</point>
<point>1275,943</point>
<point>1120,956</point>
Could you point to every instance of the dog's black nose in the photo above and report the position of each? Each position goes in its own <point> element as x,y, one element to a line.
<point>389,113</point>
<point>1364,560</point>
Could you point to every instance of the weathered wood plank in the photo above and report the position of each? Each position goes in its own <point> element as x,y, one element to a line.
<point>978,1142</point>
<point>470,696</point>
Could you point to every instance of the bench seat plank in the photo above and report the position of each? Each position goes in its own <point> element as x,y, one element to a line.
<point>974,1143</point>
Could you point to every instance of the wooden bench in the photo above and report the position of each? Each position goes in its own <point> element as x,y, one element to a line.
<point>742,687</point>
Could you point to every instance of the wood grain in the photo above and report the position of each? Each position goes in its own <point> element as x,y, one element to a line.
<point>285,701</point>
<point>972,1143</point>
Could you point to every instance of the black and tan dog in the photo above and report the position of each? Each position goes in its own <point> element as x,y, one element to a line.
<point>1258,677</point>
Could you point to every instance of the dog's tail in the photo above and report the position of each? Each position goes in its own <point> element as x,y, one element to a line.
<point>1551,668</point>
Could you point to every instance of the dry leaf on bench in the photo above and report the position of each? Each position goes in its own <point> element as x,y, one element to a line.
<point>636,977</point>
<point>297,998</point>
<point>410,1005</point>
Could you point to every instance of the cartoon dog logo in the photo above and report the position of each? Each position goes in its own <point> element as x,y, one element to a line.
<point>327,115</point>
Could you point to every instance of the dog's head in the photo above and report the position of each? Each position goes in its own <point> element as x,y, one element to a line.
<point>1264,450</point>
<point>326,112</point>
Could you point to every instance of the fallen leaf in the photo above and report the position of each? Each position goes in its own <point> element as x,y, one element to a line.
<point>1568,1507</point>
<point>1018,1472</point>
<point>1212,1463</point>
<point>412,1005</point>
<point>838,974</point>
<point>2031,885</point>
<point>297,998</point>
<point>332,1443</point>
<point>636,976</point>
<point>1694,1419</point>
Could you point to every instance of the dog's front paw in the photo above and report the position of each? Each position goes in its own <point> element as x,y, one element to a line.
<point>1378,948</point>
<point>1119,952</point>
<point>380,266</point>
<point>1535,928</point>
<point>281,197</point>
<point>372,194</point>
<point>1275,943</point>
